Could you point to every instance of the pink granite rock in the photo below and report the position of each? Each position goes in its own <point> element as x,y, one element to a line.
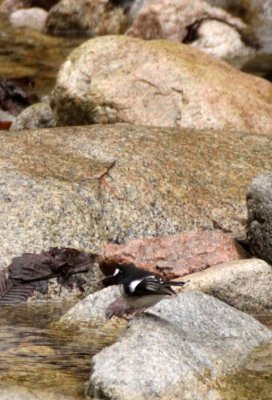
<point>174,256</point>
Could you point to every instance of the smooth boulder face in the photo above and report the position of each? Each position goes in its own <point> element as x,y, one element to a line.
<point>32,18</point>
<point>176,351</point>
<point>82,187</point>
<point>166,84</point>
<point>94,17</point>
<point>259,223</point>
<point>92,309</point>
<point>243,284</point>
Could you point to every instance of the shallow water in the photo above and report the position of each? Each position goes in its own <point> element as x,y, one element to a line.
<point>26,53</point>
<point>37,355</point>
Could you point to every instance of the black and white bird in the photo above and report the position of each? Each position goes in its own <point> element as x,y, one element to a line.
<point>139,288</point>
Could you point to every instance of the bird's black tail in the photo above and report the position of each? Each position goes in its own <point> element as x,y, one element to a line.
<point>174,283</point>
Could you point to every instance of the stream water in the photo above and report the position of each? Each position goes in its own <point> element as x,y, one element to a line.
<point>36,354</point>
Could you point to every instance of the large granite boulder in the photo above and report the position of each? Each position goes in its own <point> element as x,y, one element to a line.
<point>176,351</point>
<point>82,187</point>
<point>121,79</point>
<point>259,223</point>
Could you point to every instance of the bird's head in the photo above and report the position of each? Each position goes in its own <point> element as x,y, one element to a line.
<point>121,272</point>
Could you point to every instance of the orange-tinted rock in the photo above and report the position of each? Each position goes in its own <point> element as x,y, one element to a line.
<point>174,256</point>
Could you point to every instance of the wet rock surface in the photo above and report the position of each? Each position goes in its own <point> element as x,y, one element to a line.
<point>243,284</point>
<point>191,88</point>
<point>8,392</point>
<point>92,17</point>
<point>259,223</point>
<point>188,343</point>
<point>57,188</point>
<point>173,256</point>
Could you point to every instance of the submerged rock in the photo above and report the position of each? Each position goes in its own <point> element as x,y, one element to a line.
<point>103,82</point>
<point>259,223</point>
<point>32,18</point>
<point>92,17</point>
<point>208,28</point>
<point>16,392</point>
<point>177,350</point>
<point>37,116</point>
<point>83,187</point>
<point>243,284</point>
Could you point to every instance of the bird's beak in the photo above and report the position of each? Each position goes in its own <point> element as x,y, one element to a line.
<point>110,280</point>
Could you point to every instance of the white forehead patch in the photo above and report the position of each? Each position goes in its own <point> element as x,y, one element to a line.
<point>134,284</point>
<point>116,272</point>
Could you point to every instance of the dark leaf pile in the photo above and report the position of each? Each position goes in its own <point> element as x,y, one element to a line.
<point>30,272</point>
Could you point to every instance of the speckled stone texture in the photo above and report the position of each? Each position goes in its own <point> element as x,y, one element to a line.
<point>174,255</point>
<point>259,223</point>
<point>176,351</point>
<point>54,190</point>
<point>168,84</point>
<point>93,308</point>
<point>243,284</point>
<point>37,116</point>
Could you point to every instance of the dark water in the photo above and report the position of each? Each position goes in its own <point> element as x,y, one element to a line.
<point>25,53</point>
<point>36,354</point>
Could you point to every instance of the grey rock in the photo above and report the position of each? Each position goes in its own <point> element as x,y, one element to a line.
<point>33,18</point>
<point>215,31</point>
<point>6,116</point>
<point>92,309</point>
<point>36,116</point>
<point>103,82</point>
<point>176,351</point>
<point>257,14</point>
<point>54,190</point>
<point>243,284</point>
<point>259,223</point>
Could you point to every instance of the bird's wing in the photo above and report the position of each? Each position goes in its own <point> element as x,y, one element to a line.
<point>150,285</point>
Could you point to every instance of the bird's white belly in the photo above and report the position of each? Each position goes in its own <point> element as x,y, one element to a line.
<point>142,301</point>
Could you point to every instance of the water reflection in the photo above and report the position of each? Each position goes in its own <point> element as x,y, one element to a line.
<point>26,53</point>
<point>39,356</point>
